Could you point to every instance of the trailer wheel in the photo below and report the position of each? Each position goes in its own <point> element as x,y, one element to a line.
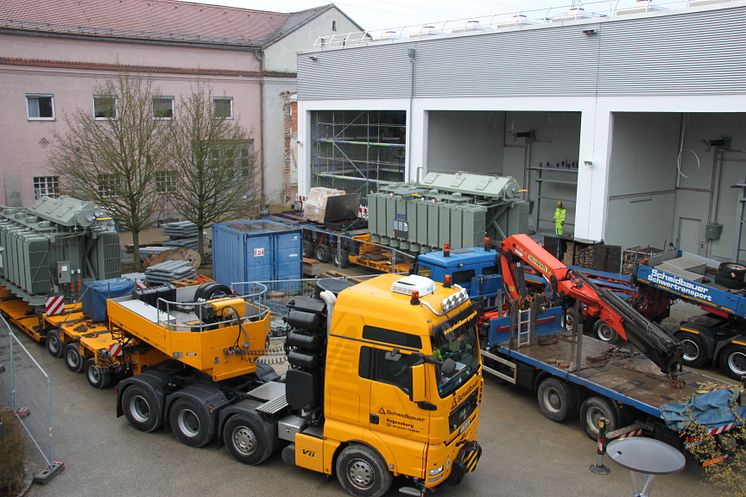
<point>733,361</point>
<point>73,359</point>
<point>605,333</point>
<point>595,408</point>
<point>322,253</point>
<point>557,399</point>
<point>341,258</point>
<point>141,409</point>
<point>734,272</point>
<point>189,422</point>
<point>97,377</point>
<point>362,473</point>
<point>247,439</point>
<point>695,349</point>
<point>54,344</point>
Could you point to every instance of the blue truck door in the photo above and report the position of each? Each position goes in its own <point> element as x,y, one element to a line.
<point>258,258</point>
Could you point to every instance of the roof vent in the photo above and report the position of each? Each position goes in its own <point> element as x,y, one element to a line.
<point>405,286</point>
<point>639,7</point>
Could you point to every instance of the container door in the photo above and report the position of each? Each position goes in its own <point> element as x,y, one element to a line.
<point>258,258</point>
<point>288,248</point>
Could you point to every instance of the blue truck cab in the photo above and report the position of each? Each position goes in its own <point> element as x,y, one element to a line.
<point>474,269</point>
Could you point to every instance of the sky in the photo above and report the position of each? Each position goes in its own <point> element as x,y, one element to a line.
<point>380,14</point>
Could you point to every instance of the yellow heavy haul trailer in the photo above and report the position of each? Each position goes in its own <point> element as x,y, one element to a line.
<point>385,380</point>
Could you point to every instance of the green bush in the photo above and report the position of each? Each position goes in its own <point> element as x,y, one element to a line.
<point>12,452</point>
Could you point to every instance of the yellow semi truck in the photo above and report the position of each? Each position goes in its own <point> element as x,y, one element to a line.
<point>384,380</point>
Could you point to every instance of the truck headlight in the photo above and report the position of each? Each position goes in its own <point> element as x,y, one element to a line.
<point>436,471</point>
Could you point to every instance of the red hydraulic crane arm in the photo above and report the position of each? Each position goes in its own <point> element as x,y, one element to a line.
<point>656,344</point>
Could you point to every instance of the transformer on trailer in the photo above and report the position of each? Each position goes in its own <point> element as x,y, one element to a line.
<point>459,209</point>
<point>52,246</point>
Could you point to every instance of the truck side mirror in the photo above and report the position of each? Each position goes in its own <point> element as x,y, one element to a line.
<point>418,383</point>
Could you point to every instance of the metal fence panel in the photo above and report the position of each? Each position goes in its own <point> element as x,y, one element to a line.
<point>27,389</point>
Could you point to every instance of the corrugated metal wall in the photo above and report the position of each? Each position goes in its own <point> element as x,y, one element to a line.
<point>689,53</point>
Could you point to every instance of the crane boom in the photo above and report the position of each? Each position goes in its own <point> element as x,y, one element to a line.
<point>520,250</point>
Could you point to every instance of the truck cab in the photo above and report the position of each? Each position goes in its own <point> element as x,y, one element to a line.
<point>474,269</point>
<point>402,384</point>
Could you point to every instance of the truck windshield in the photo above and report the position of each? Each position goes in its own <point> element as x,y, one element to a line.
<point>456,350</point>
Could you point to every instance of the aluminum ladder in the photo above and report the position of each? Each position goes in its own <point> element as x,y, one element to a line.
<point>523,327</point>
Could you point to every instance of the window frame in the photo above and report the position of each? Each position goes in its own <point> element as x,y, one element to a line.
<point>40,95</point>
<point>106,190</point>
<point>371,358</point>
<point>116,108</point>
<point>167,179</point>
<point>46,180</point>
<point>230,117</point>
<point>173,107</point>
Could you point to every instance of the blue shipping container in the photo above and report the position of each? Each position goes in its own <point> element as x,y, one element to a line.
<point>256,250</point>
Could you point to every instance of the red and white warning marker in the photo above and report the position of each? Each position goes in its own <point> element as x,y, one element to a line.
<point>55,305</point>
<point>115,349</point>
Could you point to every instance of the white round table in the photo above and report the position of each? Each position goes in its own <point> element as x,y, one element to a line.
<point>646,458</point>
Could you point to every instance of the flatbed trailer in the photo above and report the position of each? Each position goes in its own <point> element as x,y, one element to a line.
<point>344,243</point>
<point>575,375</point>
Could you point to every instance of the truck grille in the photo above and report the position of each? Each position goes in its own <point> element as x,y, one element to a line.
<point>463,411</point>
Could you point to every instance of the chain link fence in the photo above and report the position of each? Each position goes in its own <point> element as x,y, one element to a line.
<point>26,388</point>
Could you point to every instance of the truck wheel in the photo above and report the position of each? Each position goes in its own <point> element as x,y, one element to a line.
<point>141,409</point>
<point>362,473</point>
<point>595,408</point>
<point>322,253</point>
<point>97,377</point>
<point>190,423</point>
<point>341,258</point>
<point>247,439</point>
<point>54,344</point>
<point>733,361</point>
<point>73,359</point>
<point>695,349</point>
<point>557,399</point>
<point>605,333</point>
<point>307,248</point>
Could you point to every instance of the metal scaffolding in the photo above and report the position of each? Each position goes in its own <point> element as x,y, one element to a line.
<point>356,151</point>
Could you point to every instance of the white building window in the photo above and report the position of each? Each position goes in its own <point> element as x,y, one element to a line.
<point>46,186</point>
<point>334,25</point>
<point>165,181</point>
<point>222,107</point>
<point>108,185</point>
<point>105,107</point>
<point>163,107</point>
<point>40,107</point>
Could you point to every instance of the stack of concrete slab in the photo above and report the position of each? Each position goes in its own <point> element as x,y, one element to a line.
<point>146,251</point>
<point>168,271</point>
<point>180,234</point>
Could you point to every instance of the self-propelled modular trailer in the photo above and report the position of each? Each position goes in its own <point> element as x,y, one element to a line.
<point>384,380</point>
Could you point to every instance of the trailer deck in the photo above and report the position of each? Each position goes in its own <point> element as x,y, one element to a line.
<point>625,376</point>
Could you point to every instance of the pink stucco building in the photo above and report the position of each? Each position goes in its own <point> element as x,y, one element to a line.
<point>53,53</point>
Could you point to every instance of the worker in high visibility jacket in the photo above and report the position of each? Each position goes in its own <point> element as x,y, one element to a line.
<point>560,214</point>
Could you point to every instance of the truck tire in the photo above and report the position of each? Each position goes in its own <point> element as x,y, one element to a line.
<point>695,349</point>
<point>54,343</point>
<point>248,439</point>
<point>595,408</point>
<point>558,400</point>
<point>97,377</point>
<point>603,332</point>
<point>322,253</point>
<point>190,423</point>
<point>341,258</point>
<point>141,409</point>
<point>211,290</point>
<point>733,361</point>
<point>307,248</point>
<point>731,275</point>
<point>73,359</point>
<point>362,472</point>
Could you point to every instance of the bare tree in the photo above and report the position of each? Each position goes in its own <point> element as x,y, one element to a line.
<point>213,162</point>
<point>112,156</point>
